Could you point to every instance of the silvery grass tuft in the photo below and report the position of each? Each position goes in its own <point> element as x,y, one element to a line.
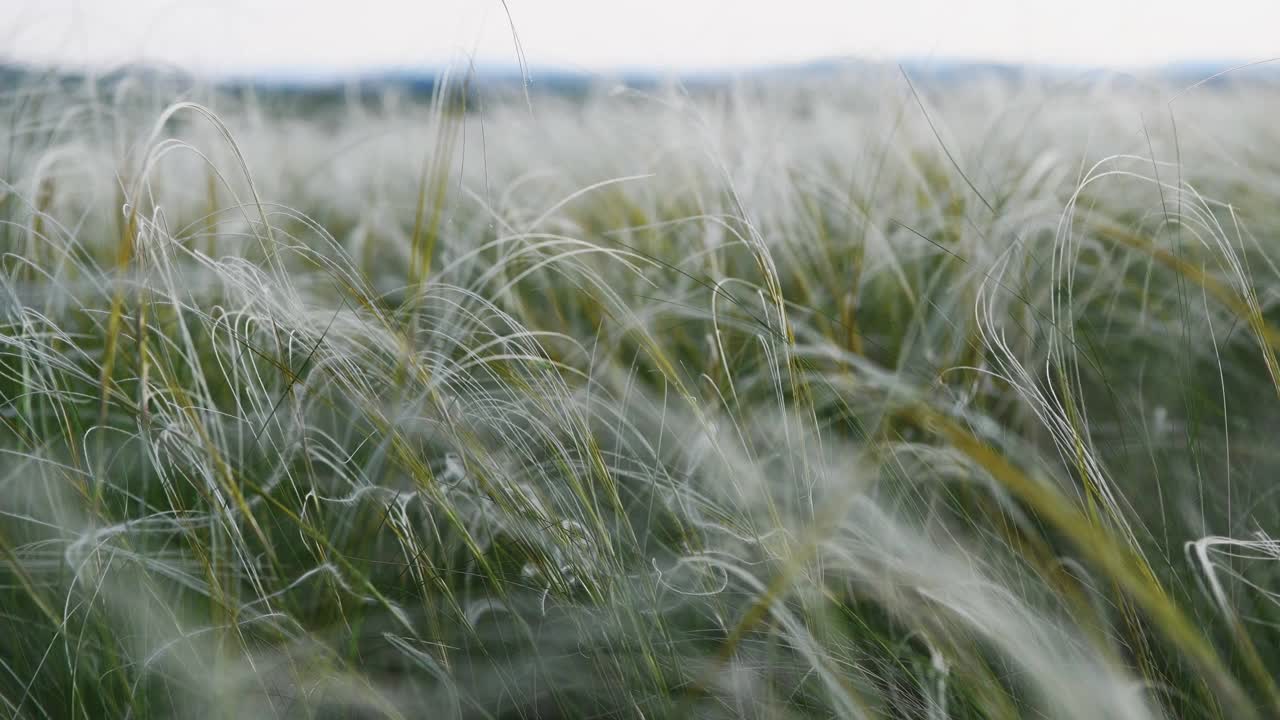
<point>865,398</point>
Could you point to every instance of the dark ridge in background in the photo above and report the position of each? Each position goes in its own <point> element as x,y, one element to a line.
<point>318,85</point>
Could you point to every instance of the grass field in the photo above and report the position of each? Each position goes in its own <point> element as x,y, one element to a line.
<point>844,397</point>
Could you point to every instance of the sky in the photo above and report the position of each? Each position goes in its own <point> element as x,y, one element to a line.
<point>245,36</point>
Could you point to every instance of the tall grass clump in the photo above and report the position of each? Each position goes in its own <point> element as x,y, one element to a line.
<point>867,398</point>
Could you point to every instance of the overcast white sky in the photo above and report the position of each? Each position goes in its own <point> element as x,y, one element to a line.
<point>247,35</point>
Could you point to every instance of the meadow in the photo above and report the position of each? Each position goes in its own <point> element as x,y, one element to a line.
<point>854,396</point>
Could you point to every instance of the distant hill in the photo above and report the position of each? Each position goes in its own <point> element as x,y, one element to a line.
<point>318,85</point>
